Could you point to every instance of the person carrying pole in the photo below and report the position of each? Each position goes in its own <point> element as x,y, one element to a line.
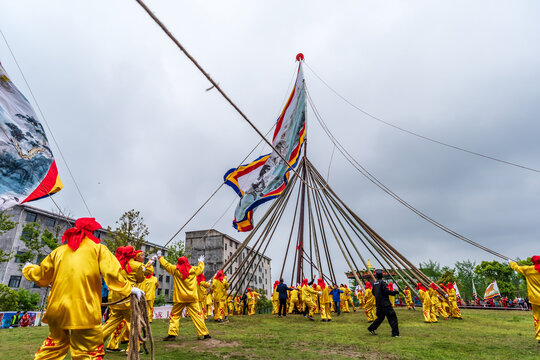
<point>186,295</point>
<point>74,272</point>
<point>384,307</point>
<point>219,288</point>
<point>408,298</point>
<point>532,275</point>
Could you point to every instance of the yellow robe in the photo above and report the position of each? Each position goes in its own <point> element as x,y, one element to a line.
<point>294,301</point>
<point>219,288</point>
<point>369,305</point>
<point>202,288</point>
<point>74,304</point>
<point>186,295</point>
<point>408,299</point>
<point>533,289</point>
<point>308,296</point>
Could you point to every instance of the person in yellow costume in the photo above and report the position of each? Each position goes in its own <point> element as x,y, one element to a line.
<point>369,303</point>
<point>219,288</point>
<point>532,275</point>
<point>294,303</point>
<point>360,296</point>
<point>252,298</point>
<point>308,295</point>
<point>275,299</point>
<point>326,300</point>
<point>316,299</point>
<point>150,286</point>
<point>121,333</point>
<point>230,304</point>
<point>74,271</point>
<point>445,303</point>
<point>202,287</point>
<point>209,303</point>
<point>343,299</point>
<point>392,298</point>
<point>423,293</point>
<point>436,306</point>
<point>186,295</point>
<point>408,298</point>
<point>238,305</point>
<point>348,297</point>
<point>452,299</point>
<point>119,320</point>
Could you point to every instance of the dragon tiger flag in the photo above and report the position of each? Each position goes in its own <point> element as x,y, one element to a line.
<point>458,295</point>
<point>27,167</point>
<point>492,291</point>
<point>265,178</point>
<point>474,294</point>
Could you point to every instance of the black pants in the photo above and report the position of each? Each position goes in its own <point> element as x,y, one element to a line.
<point>282,305</point>
<point>388,312</point>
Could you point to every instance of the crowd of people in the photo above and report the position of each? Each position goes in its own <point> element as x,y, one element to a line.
<point>77,272</point>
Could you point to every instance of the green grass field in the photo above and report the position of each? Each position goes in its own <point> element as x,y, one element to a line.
<point>481,335</point>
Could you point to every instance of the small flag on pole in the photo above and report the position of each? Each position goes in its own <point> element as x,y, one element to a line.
<point>474,294</point>
<point>492,291</point>
<point>457,291</point>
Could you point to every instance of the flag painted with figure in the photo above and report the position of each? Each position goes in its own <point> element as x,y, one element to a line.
<point>266,177</point>
<point>474,294</point>
<point>27,167</point>
<point>492,291</point>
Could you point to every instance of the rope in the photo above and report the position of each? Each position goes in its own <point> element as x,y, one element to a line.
<point>379,184</point>
<point>419,135</point>
<point>215,84</point>
<point>48,127</point>
<point>140,329</point>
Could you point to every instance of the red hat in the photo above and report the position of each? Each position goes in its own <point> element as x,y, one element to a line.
<point>149,276</point>
<point>449,286</point>
<point>419,286</point>
<point>433,286</point>
<point>84,227</point>
<point>220,275</point>
<point>124,254</point>
<point>304,282</point>
<point>182,265</point>
<point>200,278</point>
<point>276,283</point>
<point>321,283</point>
<point>536,262</point>
<point>390,286</point>
<point>368,285</point>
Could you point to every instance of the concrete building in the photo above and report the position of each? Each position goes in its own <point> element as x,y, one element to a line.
<point>217,249</point>
<point>10,272</point>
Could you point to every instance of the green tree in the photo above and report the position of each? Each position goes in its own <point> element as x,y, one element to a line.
<point>465,275</point>
<point>264,305</point>
<point>37,242</point>
<point>431,269</point>
<point>27,300</point>
<point>5,225</point>
<point>446,277</point>
<point>8,298</point>
<point>494,270</point>
<point>176,250</point>
<point>160,300</point>
<point>130,230</point>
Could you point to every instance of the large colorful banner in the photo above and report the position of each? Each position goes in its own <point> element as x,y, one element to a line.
<point>27,167</point>
<point>492,291</point>
<point>458,295</point>
<point>265,178</point>
<point>474,294</point>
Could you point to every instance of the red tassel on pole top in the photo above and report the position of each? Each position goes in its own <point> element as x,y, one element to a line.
<point>300,57</point>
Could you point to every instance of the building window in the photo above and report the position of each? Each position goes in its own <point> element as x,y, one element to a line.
<point>159,291</point>
<point>260,281</point>
<point>160,279</point>
<point>14,281</point>
<point>236,246</point>
<point>225,246</point>
<point>230,254</point>
<point>31,217</point>
<point>50,221</point>
<point>167,279</point>
<point>166,292</point>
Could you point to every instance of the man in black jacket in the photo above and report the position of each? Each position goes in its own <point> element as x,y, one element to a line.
<point>282,290</point>
<point>384,307</point>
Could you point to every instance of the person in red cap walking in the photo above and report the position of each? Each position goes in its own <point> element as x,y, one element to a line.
<point>219,288</point>
<point>74,272</point>
<point>186,295</point>
<point>452,299</point>
<point>532,275</point>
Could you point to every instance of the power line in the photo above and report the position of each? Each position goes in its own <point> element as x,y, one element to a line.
<point>417,134</point>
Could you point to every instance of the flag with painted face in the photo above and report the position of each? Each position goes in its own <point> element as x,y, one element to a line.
<point>27,167</point>
<point>492,291</point>
<point>266,177</point>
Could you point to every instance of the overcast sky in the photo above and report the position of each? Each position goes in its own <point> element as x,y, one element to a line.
<point>138,129</point>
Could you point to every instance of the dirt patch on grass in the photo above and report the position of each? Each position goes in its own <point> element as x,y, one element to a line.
<point>214,343</point>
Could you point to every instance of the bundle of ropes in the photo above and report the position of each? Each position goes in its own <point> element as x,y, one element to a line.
<point>140,331</point>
